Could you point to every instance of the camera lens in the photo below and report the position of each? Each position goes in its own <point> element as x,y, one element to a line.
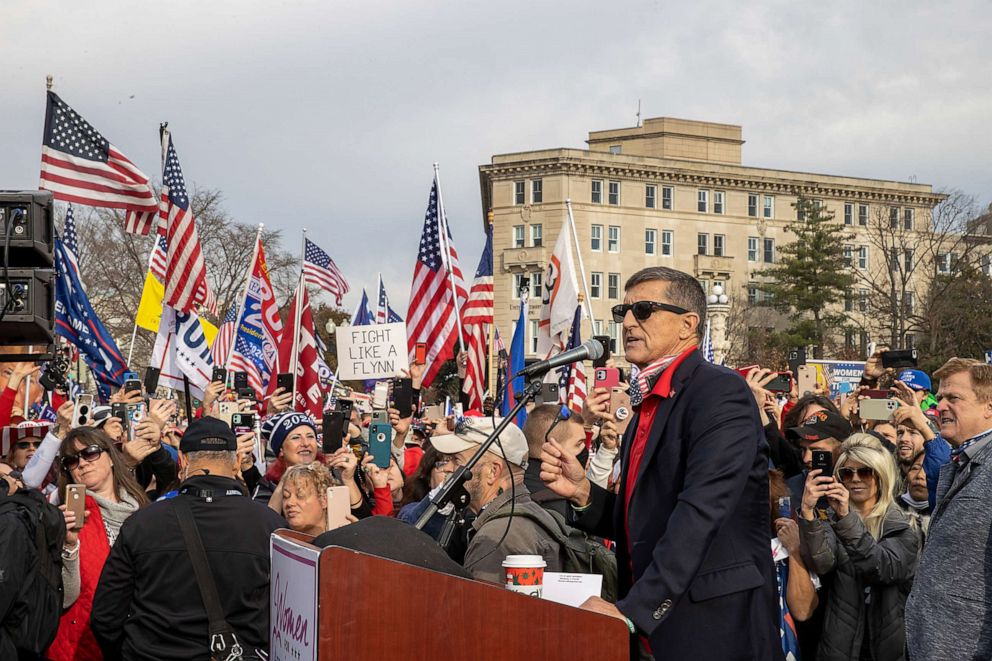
<point>381,437</point>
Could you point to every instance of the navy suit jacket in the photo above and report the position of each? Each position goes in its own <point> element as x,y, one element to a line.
<point>703,584</point>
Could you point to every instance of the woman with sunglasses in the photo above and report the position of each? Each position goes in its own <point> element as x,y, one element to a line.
<point>866,552</point>
<point>88,457</point>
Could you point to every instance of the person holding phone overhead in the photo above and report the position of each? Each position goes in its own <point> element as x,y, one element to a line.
<point>691,516</point>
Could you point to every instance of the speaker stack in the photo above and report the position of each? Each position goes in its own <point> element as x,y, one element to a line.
<point>27,275</point>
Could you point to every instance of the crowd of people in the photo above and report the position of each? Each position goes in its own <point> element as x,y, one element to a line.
<point>730,521</point>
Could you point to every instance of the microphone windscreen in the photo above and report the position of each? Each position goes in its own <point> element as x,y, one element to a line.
<point>596,349</point>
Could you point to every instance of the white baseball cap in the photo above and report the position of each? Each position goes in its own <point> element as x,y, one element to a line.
<point>471,432</point>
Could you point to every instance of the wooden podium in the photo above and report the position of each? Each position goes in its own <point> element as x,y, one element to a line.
<point>368,607</point>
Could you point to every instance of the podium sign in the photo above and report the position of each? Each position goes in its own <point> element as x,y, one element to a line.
<point>293,600</point>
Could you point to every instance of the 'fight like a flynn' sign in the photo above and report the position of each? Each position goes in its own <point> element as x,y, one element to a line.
<point>372,352</point>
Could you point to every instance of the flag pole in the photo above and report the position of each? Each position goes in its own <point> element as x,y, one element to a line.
<point>244,297</point>
<point>491,372</point>
<point>446,258</point>
<point>582,268</point>
<point>297,313</point>
<point>378,303</point>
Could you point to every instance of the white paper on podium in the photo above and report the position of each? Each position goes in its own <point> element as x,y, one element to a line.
<point>571,589</point>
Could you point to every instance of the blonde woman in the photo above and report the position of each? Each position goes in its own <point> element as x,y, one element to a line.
<point>865,551</point>
<point>304,497</point>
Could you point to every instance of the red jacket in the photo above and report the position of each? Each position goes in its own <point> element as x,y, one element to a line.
<point>75,641</point>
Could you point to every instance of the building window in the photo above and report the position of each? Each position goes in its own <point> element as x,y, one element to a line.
<point>800,210</point>
<point>518,236</point>
<point>752,205</point>
<point>667,197</point>
<point>595,285</point>
<point>614,333</point>
<point>536,191</point>
<point>893,218</point>
<point>615,149</point>
<point>718,200</point>
<point>752,295</point>
<point>703,201</point>
<point>666,243</point>
<point>613,239</point>
<point>613,285</point>
<point>650,240</point>
<point>517,278</point>
<point>849,340</point>
<point>597,191</point>
<point>862,257</point>
<point>862,300</point>
<point>533,335</point>
<point>943,263</point>
<point>718,242</point>
<point>908,260</point>
<point>769,251</point>
<point>863,215</point>
<point>752,248</point>
<point>614,193</point>
<point>894,260</point>
<point>537,285</point>
<point>536,235</point>
<point>848,255</point>
<point>650,196</point>
<point>705,284</point>
<point>518,192</point>
<point>599,327</point>
<point>848,302</point>
<point>907,302</point>
<point>702,244</point>
<point>907,219</point>
<point>596,237</point>
<point>769,206</point>
<point>848,213</point>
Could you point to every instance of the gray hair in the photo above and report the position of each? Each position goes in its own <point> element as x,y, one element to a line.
<point>683,290</point>
<point>213,456</point>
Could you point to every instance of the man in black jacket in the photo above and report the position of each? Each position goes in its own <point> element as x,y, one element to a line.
<point>148,603</point>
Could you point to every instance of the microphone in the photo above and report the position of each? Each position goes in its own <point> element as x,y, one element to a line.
<point>588,350</point>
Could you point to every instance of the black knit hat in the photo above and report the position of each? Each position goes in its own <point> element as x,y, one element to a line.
<point>208,434</point>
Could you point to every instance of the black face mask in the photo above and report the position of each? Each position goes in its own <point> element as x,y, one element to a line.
<point>583,457</point>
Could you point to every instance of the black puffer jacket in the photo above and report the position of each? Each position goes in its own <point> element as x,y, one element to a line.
<point>857,566</point>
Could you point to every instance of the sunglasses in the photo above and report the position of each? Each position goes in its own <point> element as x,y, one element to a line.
<point>643,309</point>
<point>847,474</point>
<point>89,453</point>
<point>24,445</point>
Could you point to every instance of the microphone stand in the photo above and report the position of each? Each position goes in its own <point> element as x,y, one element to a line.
<point>453,490</point>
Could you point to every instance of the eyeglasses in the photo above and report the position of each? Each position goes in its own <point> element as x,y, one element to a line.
<point>89,453</point>
<point>847,474</point>
<point>441,463</point>
<point>24,445</point>
<point>643,309</point>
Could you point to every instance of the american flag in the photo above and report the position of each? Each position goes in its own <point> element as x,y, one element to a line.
<point>320,270</point>
<point>225,335</point>
<point>476,316</point>
<point>185,270</point>
<point>432,314</point>
<point>383,313</point>
<point>157,264</point>
<point>70,240</point>
<point>80,165</point>
<point>572,377</point>
<point>707,345</point>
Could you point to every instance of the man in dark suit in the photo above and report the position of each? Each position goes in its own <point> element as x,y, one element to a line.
<point>691,516</point>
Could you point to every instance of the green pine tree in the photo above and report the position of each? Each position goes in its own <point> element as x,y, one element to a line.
<point>811,278</point>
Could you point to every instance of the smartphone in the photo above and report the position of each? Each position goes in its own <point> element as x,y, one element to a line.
<point>226,411</point>
<point>606,377</point>
<point>785,507</point>
<point>807,379</point>
<point>338,507</point>
<point>781,383</point>
<point>901,358</point>
<point>620,405</point>
<point>744,371</point>
<point>135,414</point>
<point>382,417</point>
<point>345,406</point>
<point>797,358</point>
<point>82,411</point>
<point>403,396</point>
<point>219,374</point>
<point>605,341</point>
<point>246,393</point>
<point>420,353</point>
<point>132,385</point>
<point>119,410</point>
<point>380,442</point>
<point>824,461</point>
<point>434,412</point>
<point>548,394</point>
<point>877,409</point>
<point>875,394</point>
<point>332,430</point>
<point>380,396</point>
<point>151,379</point>
<point>285,381</point>
<point>242,423</point>
<point>240,380</point>
<point>75,502</point>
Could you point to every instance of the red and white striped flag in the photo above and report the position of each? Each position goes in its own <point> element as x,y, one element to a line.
<point>320,270</point>
<point>309,396</point>
<point>477,316</point>
<point>432,314</point>
<point>81,166</point>
<point>221,347</point>
<point>185,268</point>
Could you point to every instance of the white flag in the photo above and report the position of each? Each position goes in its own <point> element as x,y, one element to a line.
<point>559,298</point>
<point>181,348</point>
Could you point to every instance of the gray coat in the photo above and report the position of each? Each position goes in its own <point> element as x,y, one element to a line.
<point>484,559</point>
<point>949,613</point>
<point>844,553</point>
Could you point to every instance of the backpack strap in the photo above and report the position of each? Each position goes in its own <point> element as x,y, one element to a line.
<point>223,641</point>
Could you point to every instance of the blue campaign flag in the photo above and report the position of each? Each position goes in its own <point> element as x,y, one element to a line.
<point>76,321</point>
<point>363,314</point>
<point>514,365</point>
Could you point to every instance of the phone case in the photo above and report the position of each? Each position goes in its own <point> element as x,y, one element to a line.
<point>877,409</point>
<point>807,379</point>
<point>620,406</point>
<point>380,396</point>
<point>380,440</point>
<point>606,377</point>
<point>75,500</point>
<point>338,507</point>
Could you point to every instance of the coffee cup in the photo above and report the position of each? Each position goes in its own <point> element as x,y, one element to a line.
<point>525,574</point>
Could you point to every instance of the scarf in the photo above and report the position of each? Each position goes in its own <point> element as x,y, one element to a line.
<point>114,513</point>
<point>646,378</point>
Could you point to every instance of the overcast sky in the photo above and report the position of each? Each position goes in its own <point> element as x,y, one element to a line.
<point>328,115</point>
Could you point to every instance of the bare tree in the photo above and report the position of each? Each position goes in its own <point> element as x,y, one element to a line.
<point>754,334</point>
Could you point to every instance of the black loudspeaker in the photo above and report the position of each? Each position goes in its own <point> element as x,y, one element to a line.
<point>28,219</point>
<point>30,319</point>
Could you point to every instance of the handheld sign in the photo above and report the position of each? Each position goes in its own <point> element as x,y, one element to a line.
<point>378,351</point>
